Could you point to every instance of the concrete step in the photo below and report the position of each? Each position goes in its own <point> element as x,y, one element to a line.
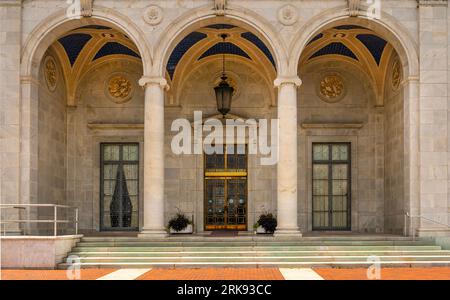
<point>274,259</point>
<point>197,252</point>
<point>260,253</point>
<point>260,264</point>
<point>267,238</point>
<point>256,248</point>
<point>253,243</point>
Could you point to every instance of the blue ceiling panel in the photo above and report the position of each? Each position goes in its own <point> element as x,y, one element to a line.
<point>335,48</point>
<point>182,47</point>
<point>316,38</point>
<point>73,44</point>
<point>221,26</point>
<point>374,44</point>
<point>260,44</point>
<point>224,48</point>
<point>349,27</point>
<point>100,27</point>
<point>112,48</point>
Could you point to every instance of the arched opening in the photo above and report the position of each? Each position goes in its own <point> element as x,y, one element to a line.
<point>87,116</point>
<point>222,191</point>
<point>354,130</point>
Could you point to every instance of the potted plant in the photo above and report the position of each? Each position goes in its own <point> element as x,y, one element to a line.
<point>180,224</point>
<point>267,223</point>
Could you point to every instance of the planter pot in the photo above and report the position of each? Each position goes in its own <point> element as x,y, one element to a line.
<point>189,229</point>
<point>260,230</point>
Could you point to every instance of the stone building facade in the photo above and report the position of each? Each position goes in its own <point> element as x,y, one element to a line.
<point>90,90</point>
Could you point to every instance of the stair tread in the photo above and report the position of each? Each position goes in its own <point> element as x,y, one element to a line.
<point>251,251</point>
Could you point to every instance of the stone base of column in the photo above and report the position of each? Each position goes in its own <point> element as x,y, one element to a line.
<point>152,234</point>
<point>287,233</point>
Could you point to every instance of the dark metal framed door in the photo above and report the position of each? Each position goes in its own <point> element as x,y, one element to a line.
<point>119,187</point>
<point>226,189</point>
<point>331,186</point>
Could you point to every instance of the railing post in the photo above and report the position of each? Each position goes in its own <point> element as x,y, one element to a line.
<point>76,221</point>
<point>55,220</point>
<point>405,230</point>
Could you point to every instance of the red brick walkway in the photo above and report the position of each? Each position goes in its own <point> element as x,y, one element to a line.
<point>86,274</point>
<point>213,274</point>
<point>235,274</point>
<point>387,274</point>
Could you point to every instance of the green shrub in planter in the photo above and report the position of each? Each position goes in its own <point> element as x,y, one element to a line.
<point>179,222</point>
<point>268,222</point>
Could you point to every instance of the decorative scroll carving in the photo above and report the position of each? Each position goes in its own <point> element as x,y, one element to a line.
<point>119,89</point>
<point>50,73</point>
<point>153,15</point>
<point>288,15</point>
<point>220,6</point>
<point>332,88</point>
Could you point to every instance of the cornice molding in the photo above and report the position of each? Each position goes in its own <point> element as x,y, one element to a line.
<point>432,3</point>
<point>10,3</point>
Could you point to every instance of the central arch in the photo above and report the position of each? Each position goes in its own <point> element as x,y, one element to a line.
<point>205,16</point>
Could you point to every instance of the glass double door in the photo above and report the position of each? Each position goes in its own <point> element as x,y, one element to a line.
<point>331,186</point>
<point>226,189</point>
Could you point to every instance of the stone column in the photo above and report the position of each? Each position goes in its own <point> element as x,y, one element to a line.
<point>287,197</point>
<point>433,118</point>
<point>154,226</point>
<point>10,110</point>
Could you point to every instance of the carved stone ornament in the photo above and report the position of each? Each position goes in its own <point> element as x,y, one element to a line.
<point>354,7</point>
<point>50,73</point>
<point>331,88</point>
<point>153,15</point>
<point>288,15</point>
<point>86,7</point>
<point>396,74</point>
<point>220,6</point>
<point>119,88</point>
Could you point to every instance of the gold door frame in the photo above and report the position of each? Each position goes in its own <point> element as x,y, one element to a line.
<point>225,174</point>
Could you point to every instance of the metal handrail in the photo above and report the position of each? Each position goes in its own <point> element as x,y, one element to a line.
<point>408,215</point>
<point>55,220</point>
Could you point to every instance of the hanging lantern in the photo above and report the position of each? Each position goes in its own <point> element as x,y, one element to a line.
<point>224,92</point>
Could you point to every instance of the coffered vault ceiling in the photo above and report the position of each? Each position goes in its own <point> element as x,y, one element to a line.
<point>107,41</point>
<point>205,42</point>
<point>347,40</point>
<point>83,49</point>
<point>355,45</point>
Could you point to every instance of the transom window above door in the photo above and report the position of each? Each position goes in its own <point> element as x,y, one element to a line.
<point>231,158</point>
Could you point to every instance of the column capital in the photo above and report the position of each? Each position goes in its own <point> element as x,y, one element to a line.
<point>146,80</point>
<point>288,80</point>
